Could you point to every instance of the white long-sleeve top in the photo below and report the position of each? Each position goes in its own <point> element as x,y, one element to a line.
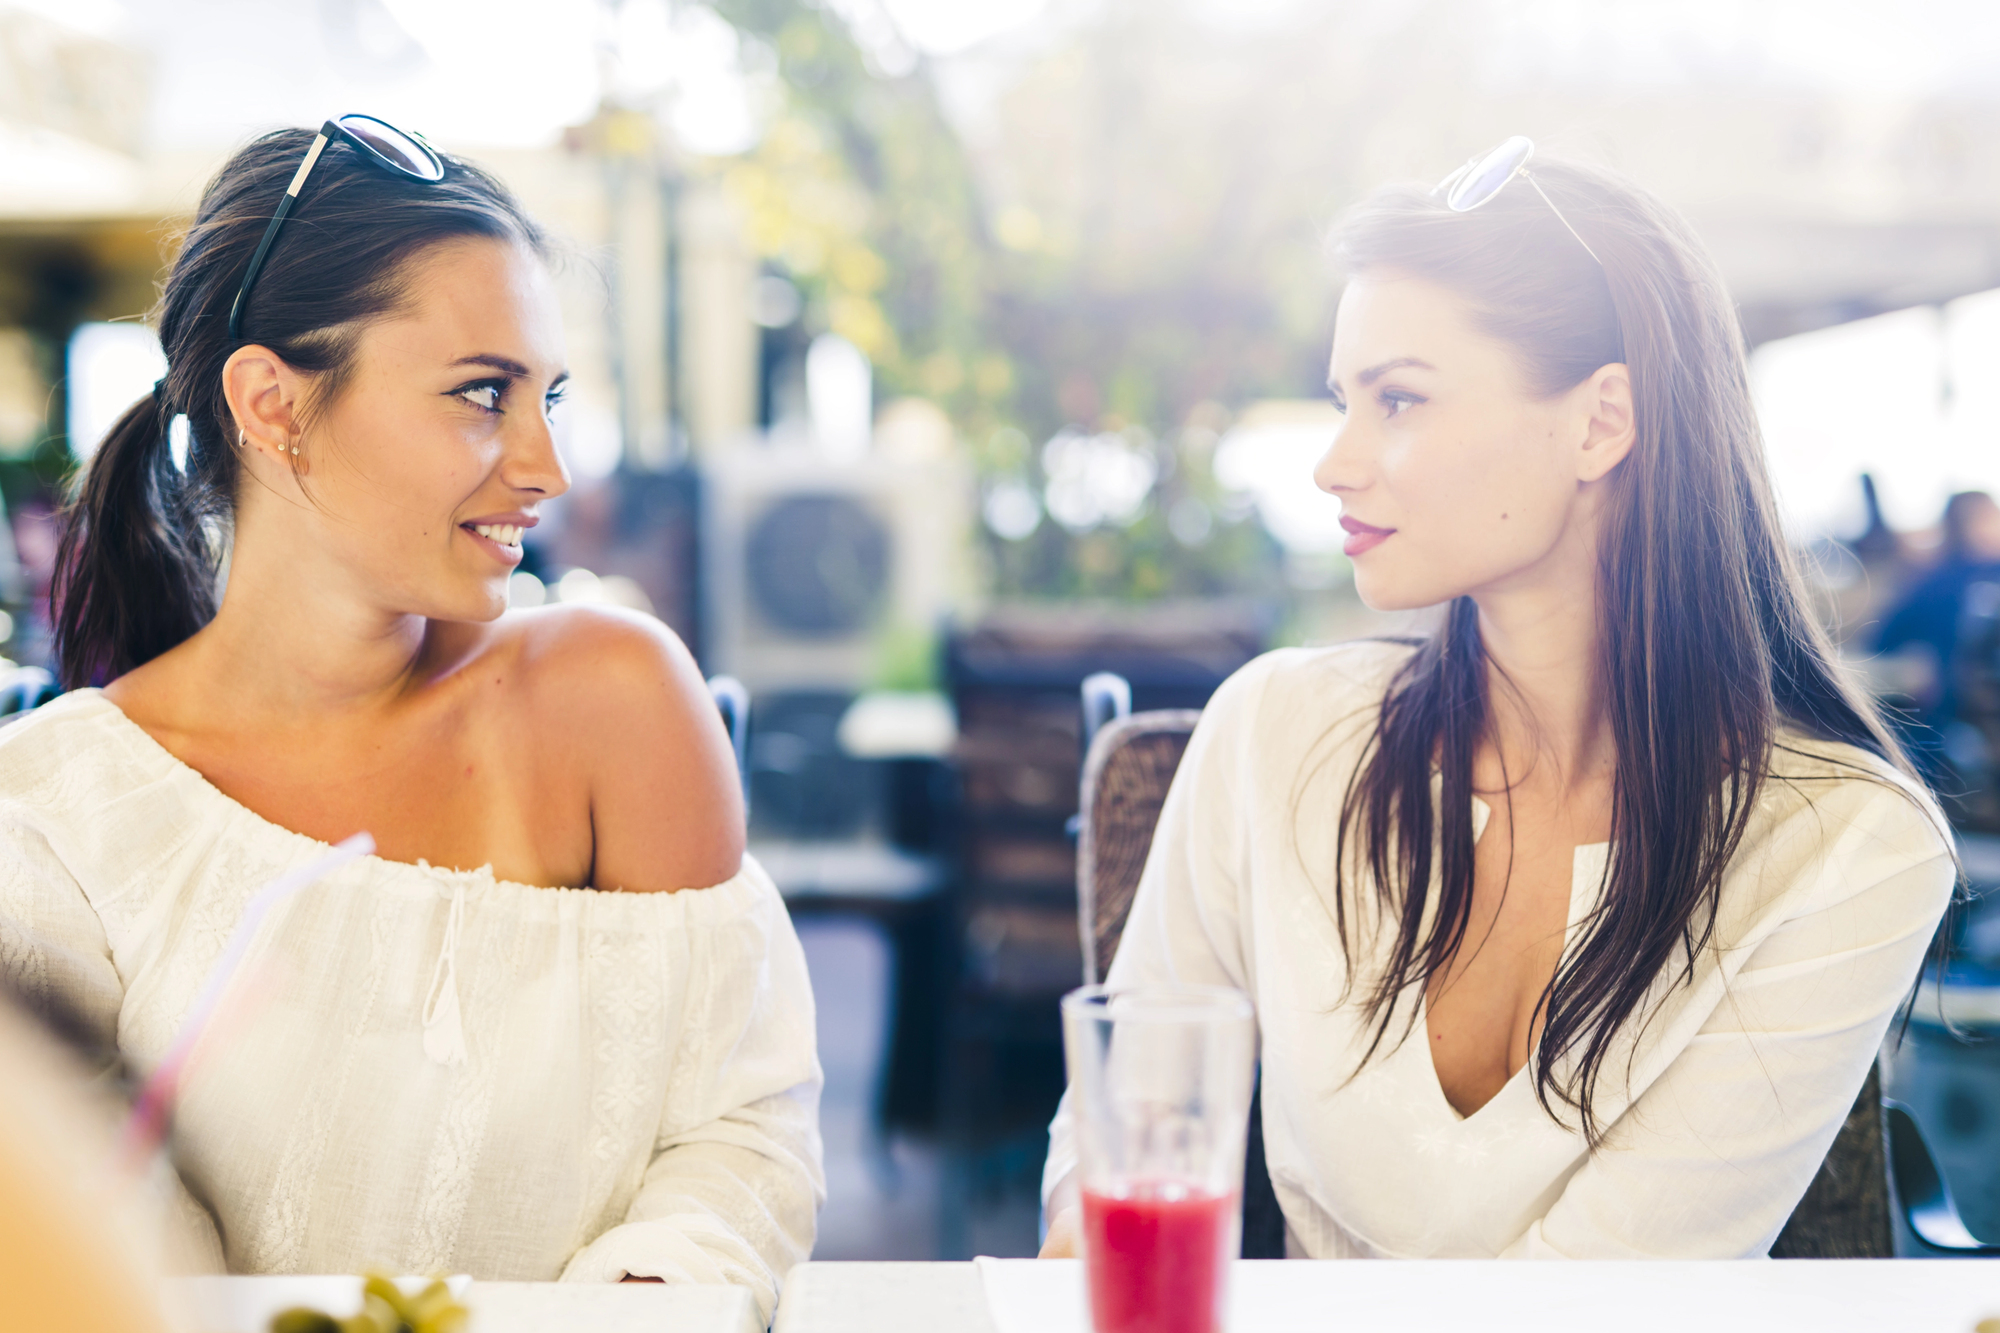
<point>423,1070</point>
<point>1736,1086</point>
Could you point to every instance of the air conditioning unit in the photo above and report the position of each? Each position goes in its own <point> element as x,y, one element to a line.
<point>808,560</point>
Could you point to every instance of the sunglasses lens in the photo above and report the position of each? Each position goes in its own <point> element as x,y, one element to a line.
<point>400,150</point>
<point>1483,179</point>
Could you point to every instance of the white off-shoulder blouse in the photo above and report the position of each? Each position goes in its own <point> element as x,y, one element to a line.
<point>1718,1110</point>
<point>425,1070</point>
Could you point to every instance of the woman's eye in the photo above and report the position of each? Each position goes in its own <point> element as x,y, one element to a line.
<point>485,397</point>
<point>553,399</point>
<point>1395,404</point>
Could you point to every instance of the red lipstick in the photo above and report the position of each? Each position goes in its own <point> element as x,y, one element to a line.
<point>1362,536</point>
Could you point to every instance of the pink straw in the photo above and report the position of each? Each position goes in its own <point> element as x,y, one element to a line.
<point>147,1125</point>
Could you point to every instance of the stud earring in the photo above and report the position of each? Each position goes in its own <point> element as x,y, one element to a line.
<point>295,451</point>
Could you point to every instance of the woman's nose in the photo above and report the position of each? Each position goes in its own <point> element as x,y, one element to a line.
<point>534,463</point>
<point>1338,470</point>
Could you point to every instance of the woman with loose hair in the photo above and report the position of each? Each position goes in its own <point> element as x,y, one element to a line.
<point>559,1025</point>
<point>1573,927</point>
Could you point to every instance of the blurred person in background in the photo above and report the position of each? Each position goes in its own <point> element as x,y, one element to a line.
<point>560,1027</point>
<point>1931,615</point>
<point>1879,548</point>
<point>1882,569</point>
<point>1574,928</point>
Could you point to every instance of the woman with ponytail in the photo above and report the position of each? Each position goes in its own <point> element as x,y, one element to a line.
<point>1573,927</point>
<point>559,1025</point>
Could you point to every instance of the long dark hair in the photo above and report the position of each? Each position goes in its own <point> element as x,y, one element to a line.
<point>136,572</point>
<point>1707,648</point>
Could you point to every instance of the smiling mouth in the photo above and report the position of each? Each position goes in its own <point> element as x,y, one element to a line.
<point>505,534</point>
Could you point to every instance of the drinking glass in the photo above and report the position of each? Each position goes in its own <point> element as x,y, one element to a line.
<point>1159,1085</point>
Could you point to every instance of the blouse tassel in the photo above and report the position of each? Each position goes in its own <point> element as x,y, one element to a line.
<point>444,1029</point>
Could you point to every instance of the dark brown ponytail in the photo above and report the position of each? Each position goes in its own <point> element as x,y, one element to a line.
<point>135,575</point>
<point>137,569</point>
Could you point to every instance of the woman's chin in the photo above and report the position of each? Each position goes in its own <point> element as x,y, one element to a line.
<point>474,605</point>
<point>1384,595</point>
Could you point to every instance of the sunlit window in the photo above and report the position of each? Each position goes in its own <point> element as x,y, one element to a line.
<point>111,366</point>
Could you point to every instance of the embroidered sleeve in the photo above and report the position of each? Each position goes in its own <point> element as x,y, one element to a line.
<point>52,944</point>
<point>733,1188</point>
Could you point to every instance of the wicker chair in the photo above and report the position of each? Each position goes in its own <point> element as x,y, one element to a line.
<point>1127,769</point>
<point>1845,1213</point>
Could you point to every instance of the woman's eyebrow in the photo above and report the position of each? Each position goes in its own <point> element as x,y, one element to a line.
<point>1373,373</point>
<point>507,365</point>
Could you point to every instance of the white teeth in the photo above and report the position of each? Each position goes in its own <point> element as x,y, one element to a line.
<point>507,534</point>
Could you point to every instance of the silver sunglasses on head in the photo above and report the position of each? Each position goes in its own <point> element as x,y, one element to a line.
<point>1479,180</point>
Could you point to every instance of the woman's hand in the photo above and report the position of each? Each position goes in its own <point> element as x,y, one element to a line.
<point>1065,1239</point>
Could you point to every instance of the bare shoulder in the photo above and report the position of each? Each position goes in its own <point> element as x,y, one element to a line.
<point>601,646</point>
<point>620,693</point>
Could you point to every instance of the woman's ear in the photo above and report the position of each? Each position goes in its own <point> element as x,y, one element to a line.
<point>264,395</point>
<point>1611,428</point>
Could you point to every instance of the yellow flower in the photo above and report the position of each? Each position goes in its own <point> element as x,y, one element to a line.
<point>860,321</point>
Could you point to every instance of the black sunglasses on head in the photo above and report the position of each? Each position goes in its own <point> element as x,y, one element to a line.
<point>380,144</point>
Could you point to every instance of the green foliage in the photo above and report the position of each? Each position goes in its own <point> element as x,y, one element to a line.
<point>905,658</point>
<point>860,191</point>
<point>865,195</point>
<point>1142,562</point>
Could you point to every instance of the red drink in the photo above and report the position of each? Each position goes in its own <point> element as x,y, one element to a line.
<point>1156,1254</point>
<point>1159,1078</point>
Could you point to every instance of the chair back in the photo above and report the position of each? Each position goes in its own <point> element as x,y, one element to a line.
<point>1928,1210</point>
<point>24,689</point>
<point>1107,696</point>
<point>732,700</point>
<point>1126,773</point>
<point>1845,1213</point>
<point>1846,1210</point>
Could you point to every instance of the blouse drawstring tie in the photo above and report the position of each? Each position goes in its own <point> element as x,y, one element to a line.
<point>444,1029</point>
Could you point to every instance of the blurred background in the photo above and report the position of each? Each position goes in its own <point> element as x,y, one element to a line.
<point>931,355</point>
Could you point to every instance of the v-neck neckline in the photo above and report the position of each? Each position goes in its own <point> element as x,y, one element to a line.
<point>1586,885</point>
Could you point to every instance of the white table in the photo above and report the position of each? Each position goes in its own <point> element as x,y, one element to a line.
<point>245,1304</point>
<point>627,1307</point>
<point>882,1298</point>
<point>1785,1296</point>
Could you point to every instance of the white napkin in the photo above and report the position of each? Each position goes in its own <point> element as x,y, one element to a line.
<point>1035,1295</point>
<point>1450,1296</point>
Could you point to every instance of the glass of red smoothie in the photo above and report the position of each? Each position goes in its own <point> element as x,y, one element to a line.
<point>1159,1088</point>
